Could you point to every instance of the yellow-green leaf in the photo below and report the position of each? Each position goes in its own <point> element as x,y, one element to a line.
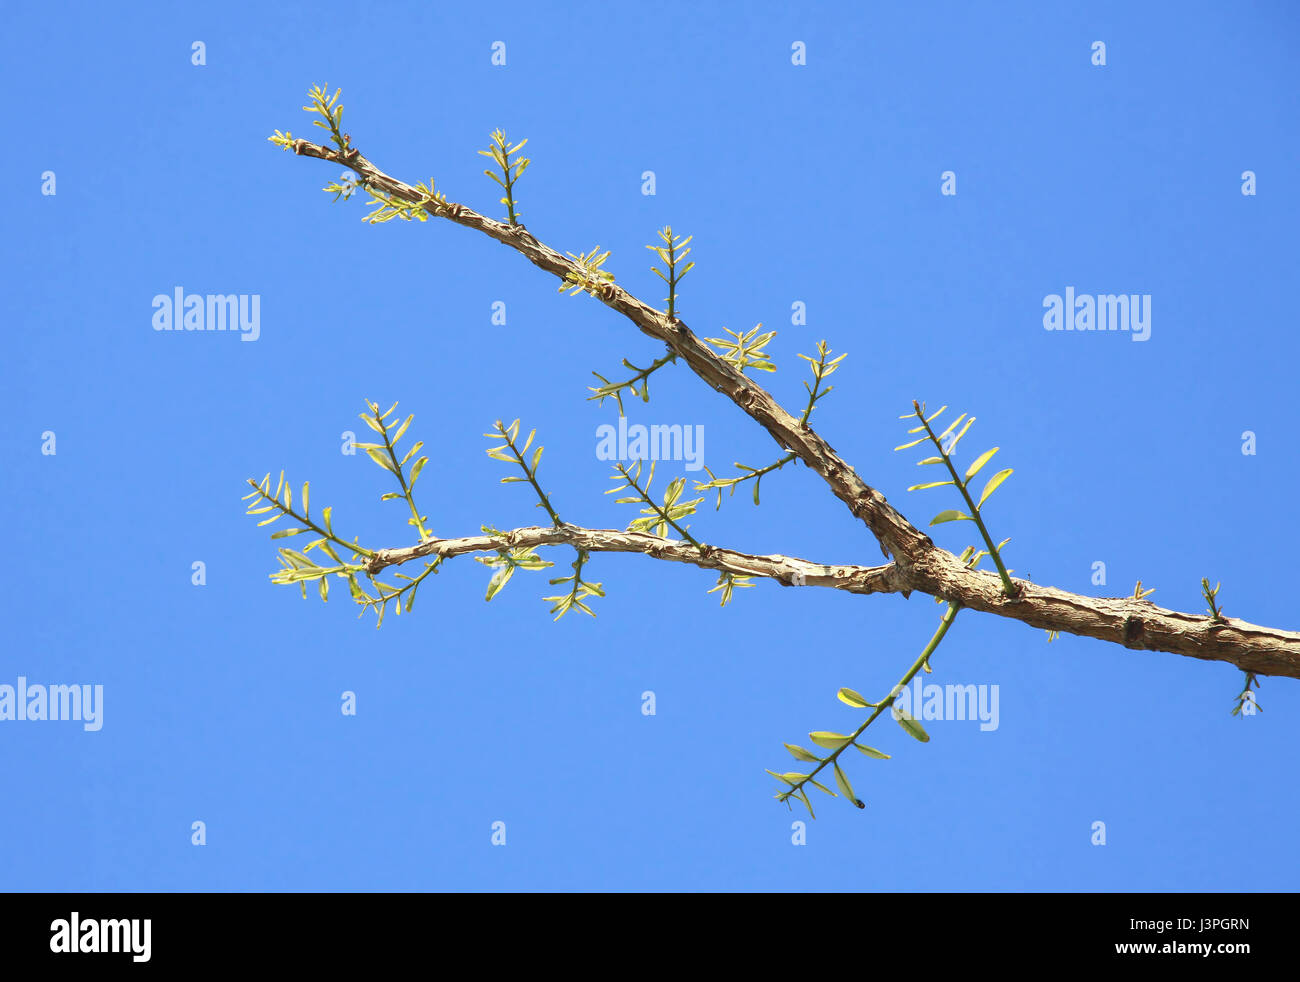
<point>832,741</point>
<point>872,752</point>
<point>994,482</point>
<point>799,753</point>
<point>499,579</point>
<point>789,777</point>
<point>843,782</point>
<point>952,446</point>
<point>851,698</point>
<point>952,426</point>
<point>980,461</point>
<point>401,429</point>
<point>913,727</point>
<point>381,458</point>
<point>951,515</point>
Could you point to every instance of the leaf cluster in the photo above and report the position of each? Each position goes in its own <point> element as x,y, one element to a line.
<point>945,444</point>
<point>745,350</point>
<point>511,170</point>
<point>591,276</point>
<point>672,254</point>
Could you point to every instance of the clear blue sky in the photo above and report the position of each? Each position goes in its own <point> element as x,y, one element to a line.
<point>818,183</point>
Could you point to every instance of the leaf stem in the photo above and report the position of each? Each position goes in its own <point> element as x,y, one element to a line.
<point>531,475</point>
<point>401,479</point>
<point>631,482</point>
<point>1008,587</point>
<point>360,550</point>
<point>948,617</point>
<point>615,389</point>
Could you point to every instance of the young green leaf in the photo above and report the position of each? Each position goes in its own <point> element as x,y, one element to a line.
<point>803,796</point>
<point>499,579</point>
<point>994,482</point>
<point>980,461</point>
<point>952,444</point>
<point>951,515</point>
<point>851,698</point>
<point>832,741</point>
<point>872,752</point>
<point>799,753</point>
<point>843,782</point>
<point>822,788</point>
<point>913,727</point>
<point>381,458</point>
<point>789,777</point>
<point>401,429</point>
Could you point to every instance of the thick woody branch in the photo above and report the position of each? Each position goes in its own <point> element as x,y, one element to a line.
<point>784,569</point>
<point>919,565</point>
<point>1136,624</point>
<point>897,536</point>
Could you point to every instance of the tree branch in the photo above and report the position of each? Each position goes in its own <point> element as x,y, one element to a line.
<point>919,564</point>
<point>897,536</point>
<point>784,569</point>
<point>1136,624</point>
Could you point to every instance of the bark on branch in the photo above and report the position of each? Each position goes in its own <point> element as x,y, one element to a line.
<point>918,564</point>
<point>784,569</point>
<point>897,536</point>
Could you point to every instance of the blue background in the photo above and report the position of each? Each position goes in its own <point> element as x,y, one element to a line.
<point>818,183</point>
